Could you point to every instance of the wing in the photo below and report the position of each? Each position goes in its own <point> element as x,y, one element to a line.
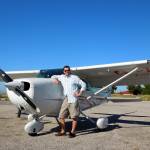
<point>44,73</point>
<point>98,75</point>
<point>101,75</point>
<point>23,74</point>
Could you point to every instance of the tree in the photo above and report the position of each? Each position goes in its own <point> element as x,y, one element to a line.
<point>114,88</point>
<point>146,89</point>
<point>131,88</point>
<point>135,89</point>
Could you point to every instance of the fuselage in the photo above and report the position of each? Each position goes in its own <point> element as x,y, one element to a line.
<point>47,96</point>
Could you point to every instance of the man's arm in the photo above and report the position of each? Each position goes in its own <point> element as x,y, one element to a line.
<point>83,87</point>
<point>55,79</point>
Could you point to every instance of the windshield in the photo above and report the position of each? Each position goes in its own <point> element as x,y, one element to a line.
<point>47,73</point>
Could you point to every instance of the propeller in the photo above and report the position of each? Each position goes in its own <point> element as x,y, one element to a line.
<point>5,77</point>
<point>8,79</point>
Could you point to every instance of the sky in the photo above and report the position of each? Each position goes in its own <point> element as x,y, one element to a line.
<point>42,34</point>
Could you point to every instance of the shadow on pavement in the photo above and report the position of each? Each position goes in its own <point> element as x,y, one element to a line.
<point>86,127</point>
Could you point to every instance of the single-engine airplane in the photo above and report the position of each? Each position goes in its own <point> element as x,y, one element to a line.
<point>36,92</point>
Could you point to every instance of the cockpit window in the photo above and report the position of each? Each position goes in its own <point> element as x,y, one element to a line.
<point>88,86</point>
<point>47,73</point>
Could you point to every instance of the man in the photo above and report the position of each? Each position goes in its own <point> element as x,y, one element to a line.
<point>73,87</point>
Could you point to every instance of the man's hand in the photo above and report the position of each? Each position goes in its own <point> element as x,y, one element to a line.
<point>77,94</point>
<point>56,81</point>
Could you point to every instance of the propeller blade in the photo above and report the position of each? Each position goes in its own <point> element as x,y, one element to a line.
<point>25,97</point>
<point>5,77</point>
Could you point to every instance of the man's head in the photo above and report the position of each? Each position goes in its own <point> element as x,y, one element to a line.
<point>67,70</point>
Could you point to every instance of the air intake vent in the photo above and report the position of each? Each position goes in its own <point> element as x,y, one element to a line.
<point>26,86</point>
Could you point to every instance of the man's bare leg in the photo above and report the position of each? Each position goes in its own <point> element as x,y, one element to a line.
<point>62,125</point>
<point>74,125</point>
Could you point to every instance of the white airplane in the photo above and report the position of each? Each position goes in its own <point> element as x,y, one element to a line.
<point>35,91</point>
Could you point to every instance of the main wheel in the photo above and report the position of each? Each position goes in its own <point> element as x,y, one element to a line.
<point>102,123</point>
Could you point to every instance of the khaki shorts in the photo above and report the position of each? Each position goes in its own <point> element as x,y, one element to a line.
<point>69,109</point>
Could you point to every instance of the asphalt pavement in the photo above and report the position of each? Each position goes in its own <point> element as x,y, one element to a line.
<point>129,129</point>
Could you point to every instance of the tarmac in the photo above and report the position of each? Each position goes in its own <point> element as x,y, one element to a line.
<point>129,129</point>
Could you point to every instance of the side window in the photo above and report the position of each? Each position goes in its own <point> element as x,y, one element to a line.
<point>88,87</point>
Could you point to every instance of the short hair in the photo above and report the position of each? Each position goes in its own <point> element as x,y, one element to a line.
<point>66,66</point>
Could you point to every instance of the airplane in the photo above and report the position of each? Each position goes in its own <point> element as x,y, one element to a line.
<point>37,94</point>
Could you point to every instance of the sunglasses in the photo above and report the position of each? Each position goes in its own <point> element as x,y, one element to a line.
<point>66,70</point>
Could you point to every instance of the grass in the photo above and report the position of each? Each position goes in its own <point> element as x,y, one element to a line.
<point>142,97</point>
<point>3,97</point>
<point>125,96</point>
<point>145,97</point>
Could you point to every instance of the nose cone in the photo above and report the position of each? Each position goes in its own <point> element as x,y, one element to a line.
<point>12,85</point>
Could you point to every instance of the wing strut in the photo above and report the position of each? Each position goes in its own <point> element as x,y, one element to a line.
<point>113,83</point>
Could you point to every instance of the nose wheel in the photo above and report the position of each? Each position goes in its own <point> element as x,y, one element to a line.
<point>33,127</point>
